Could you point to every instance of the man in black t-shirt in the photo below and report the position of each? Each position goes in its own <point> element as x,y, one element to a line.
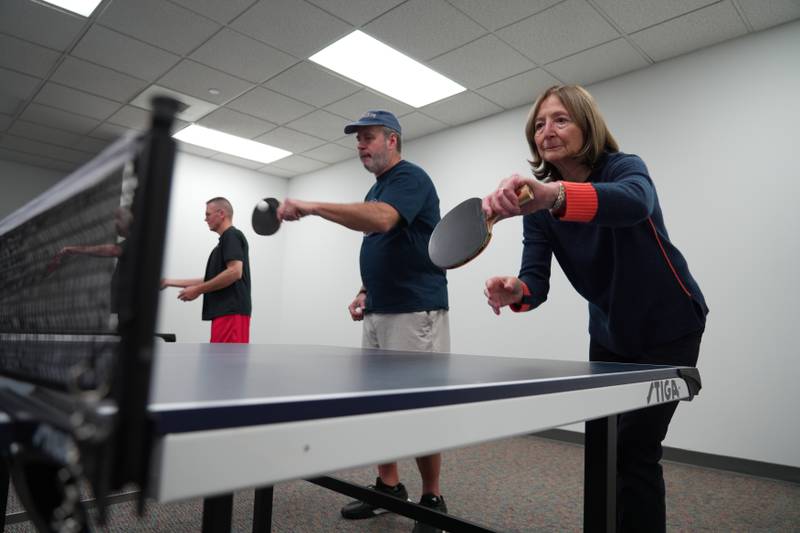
<point>226,285</point>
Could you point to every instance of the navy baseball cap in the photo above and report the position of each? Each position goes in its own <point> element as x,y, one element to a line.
<point>376,117</point>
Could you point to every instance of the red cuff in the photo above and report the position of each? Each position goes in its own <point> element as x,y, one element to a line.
<point>521,308</point>
<point>581,202</point>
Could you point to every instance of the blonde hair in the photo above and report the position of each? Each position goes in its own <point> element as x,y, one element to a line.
<point>584,112</point>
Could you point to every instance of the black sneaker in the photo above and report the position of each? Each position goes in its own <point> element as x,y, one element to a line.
<point>358,509</point>
<point>437,504</point>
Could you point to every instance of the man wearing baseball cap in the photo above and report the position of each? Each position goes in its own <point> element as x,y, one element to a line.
<point>403,297</point>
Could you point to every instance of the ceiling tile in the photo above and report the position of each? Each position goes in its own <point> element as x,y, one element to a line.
<point>110,132</point>
<point>196,80</point>
<point>88,144</point>
<point>238,161</point>
<point>120,52</point>
<point>698,29</point>
<point>424,29</point>
<point>330,153</point>
<point>222,12</point>
<point>356,12</point>
<point>633,15</point>
<point>461,108</point>
<point>518,90</point>
<point>97,80</point>
<point>277,172</point>
<point>56,118</point>
<point>295,27</point>
<point>32,147</point>
<point>269,105</point>
<point>9,105</point>
<point>26,57</point>
<point>320,124</point>
<point>236,123</point>
<point>762,15</point>
<point>242,56</point>
<point>17,85</point>
<point>131,117</point>
<point>37,132</point>
<point>298,163</point>
<point>562,30</point>
<point>311,84</point>
<point>355,105</point>
<point>598,63</point>
<point>291,140</point>
<point>156,22</point>
<point>36,160</point>
<point>39,23</point>
<point>418,125</point>
<point>481,62</point>
<point>495,15</point>
<point>194,110</point>
<point>75,101</point>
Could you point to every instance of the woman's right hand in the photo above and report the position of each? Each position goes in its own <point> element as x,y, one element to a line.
<point>501,291</point>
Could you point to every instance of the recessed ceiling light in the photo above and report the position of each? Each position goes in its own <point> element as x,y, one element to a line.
<point>213,91</point>
<point>230,144</point>
<point>374,64</point>
<point>83,8</point>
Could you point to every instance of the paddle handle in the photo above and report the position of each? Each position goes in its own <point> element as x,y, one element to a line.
<point>524,195</point>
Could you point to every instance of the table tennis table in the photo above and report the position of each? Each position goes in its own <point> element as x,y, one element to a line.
<point>226,417</point>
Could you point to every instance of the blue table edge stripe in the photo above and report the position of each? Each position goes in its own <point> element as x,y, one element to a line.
<point>224,416</point>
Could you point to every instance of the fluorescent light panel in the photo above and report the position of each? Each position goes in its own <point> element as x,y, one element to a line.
<point>83,8</point>
<point>230,144</point>
<point>374,64</point>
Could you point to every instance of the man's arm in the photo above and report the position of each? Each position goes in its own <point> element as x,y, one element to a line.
<point>368,217</point>
<point>231,274</point>
<point>168,282</point>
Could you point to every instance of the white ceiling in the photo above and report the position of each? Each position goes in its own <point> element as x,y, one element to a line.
<point>69,85</point>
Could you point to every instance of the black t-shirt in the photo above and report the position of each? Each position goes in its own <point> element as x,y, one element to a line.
<point>235,298</point>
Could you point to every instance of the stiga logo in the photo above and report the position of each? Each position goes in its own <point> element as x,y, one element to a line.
<point>663,391</point>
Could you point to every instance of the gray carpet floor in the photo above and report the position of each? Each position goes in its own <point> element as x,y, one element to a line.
<point>522,484</point>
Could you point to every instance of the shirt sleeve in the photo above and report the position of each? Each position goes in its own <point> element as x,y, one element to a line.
<point>232,249</point>
<point>624,196</point>
<point>406,192</point>
<point>537,257</point>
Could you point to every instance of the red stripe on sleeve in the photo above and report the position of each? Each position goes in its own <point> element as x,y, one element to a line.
<point>521,308</point>
<point>581,202</point>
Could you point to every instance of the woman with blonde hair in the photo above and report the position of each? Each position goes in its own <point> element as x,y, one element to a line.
<point>596,210</point>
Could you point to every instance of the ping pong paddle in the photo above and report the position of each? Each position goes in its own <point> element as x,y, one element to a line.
<point>464,232</point>
<point>265,216</point>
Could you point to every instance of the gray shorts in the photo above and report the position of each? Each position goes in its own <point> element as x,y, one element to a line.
<point>423,331</point>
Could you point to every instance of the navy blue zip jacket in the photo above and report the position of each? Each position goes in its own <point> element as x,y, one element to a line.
<point>612,245</point>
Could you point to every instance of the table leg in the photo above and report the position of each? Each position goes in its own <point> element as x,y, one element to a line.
<point>262,510</point>
<point>217,514</point>
<point>5,481</point>
<point>600,476</point>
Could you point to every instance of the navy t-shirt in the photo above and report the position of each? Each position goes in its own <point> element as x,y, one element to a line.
<point>395,267</point>
<point>235,298</point>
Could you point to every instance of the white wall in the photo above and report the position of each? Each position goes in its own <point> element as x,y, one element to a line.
<point>21,183</point>
<point>189,242</point>
<point>717,129</point>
